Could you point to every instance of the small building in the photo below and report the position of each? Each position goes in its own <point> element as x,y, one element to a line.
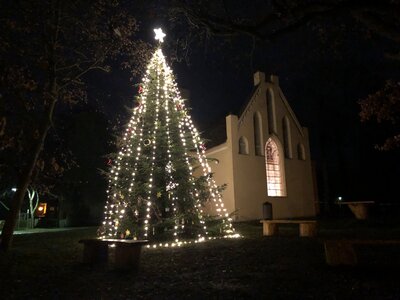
<point>263,155</point>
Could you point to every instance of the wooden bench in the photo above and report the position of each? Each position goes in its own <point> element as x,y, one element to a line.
<point>341,252</point>
<point>127,252</point>
<point>307,228</point>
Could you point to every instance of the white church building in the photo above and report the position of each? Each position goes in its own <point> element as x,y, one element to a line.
<point>263,155</point>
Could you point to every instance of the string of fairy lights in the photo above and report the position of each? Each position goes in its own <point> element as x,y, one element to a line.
<point>167,98</point>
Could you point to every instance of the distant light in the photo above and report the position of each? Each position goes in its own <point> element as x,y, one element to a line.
<point>41,210</point>
<point>14,189</point>
<point>339,198</point>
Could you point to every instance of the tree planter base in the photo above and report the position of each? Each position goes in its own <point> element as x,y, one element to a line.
<point>127,252</point>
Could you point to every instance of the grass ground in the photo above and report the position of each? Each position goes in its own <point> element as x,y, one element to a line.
<point>47,266</point>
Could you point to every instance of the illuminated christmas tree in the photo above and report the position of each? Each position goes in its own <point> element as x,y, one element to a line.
<point>153,193</point>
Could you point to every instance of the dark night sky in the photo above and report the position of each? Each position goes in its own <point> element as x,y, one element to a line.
<point>322,80</point>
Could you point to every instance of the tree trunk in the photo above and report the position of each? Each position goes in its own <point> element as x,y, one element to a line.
<point>24,181</point>
<point>33,196</point>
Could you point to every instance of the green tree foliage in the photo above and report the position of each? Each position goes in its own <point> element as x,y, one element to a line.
<point>153,191</point>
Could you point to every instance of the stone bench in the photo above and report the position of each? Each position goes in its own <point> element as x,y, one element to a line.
<point>341,252</point>
<point>307,228</point>
<point>127,252</point>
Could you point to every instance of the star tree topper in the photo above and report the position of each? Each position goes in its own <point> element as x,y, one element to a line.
<point>159,34</point>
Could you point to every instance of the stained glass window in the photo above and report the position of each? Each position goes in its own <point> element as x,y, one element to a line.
<point>274,168</point>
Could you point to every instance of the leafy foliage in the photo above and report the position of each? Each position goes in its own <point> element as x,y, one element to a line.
<point>384,106</point>
<point>266,21</point>
<point>47,48</point>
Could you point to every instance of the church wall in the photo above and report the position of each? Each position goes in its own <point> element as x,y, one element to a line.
<point>222,172</point>
<point>245,174</point>
<point>299,200</point>
<point>249,176</point>
<point>250,190</point>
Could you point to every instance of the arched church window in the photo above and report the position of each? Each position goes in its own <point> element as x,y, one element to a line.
<point>243,145</point>
<point>257,133</point>
<point>301,153</point>
<point>274,169</point>
<point>271,112</point>
<point>287,139</point>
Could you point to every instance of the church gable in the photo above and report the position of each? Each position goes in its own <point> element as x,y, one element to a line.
<point>268,113</point>
<point>264,156</point>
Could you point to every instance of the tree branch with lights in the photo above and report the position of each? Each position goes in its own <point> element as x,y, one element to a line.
<point>154,193</point>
